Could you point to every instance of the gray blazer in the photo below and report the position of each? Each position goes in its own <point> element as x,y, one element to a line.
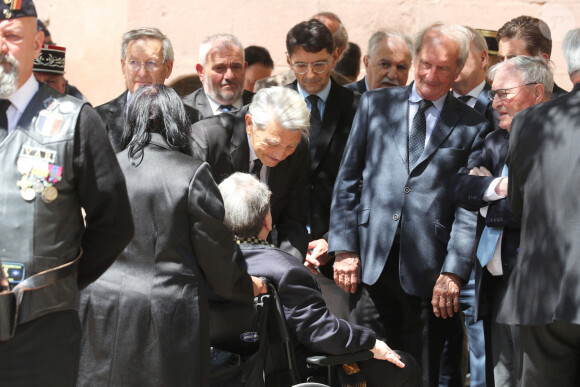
<point>435,235</point>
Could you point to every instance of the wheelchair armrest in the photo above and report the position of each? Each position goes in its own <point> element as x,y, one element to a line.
<point>330,360</point>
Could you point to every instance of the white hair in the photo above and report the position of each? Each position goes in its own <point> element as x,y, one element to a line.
<point>281,104</point>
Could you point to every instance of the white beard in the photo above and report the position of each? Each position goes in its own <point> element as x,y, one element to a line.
<point>8,78</point>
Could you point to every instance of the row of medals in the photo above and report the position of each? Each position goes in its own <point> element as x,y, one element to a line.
<point>35,180</point>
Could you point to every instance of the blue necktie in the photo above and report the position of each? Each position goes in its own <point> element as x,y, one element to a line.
<point>226,108</point>
<point>489,237</point>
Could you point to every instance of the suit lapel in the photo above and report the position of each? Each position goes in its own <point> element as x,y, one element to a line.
<point>201,103</point>
<point>445,124</point>
<point>330,120</point>
<point>239,148</point>
<point>399,117</point>
<point>482,99</point>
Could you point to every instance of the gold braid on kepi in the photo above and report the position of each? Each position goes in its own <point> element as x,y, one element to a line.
<point>251,241</point>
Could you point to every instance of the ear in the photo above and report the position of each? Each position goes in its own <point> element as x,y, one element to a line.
<point>545,56</point>
<point>249,123</point>
<point>540,93</point>
<point>245,66</point>
<point>288,60</point>
<point>366,62</point>
<point>169,65</point>
<point>267,224</point>
<point>38,43</point>
<point>334,57</point>
<point>483,58</point>
<point>199,69</point>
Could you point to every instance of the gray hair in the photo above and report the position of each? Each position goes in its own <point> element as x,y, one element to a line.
<point>246,203</point>
<point>340,37</point>
<point>281,104</point>
<point>533,69</point>
<point>150,33</point>
<point>478,40</point>
<point>218,41</point>
<point>380,35</point>
<point>571,49</point>
<point>455,32</point>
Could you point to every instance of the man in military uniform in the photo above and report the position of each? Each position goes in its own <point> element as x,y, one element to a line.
<point>55,158</point>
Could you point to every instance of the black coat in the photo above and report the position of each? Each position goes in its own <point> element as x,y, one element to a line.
<point>145,320</point>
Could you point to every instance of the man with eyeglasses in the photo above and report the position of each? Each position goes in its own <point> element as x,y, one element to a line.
<point>311,55</point>
<point>222,71</point>
<point>517,84</point>
<point>387,62</point>
<point>146,57</point>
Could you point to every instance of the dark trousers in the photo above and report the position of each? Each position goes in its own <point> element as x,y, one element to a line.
<point>405,322</point>
<point>550,355</point>
<point>43,352</point>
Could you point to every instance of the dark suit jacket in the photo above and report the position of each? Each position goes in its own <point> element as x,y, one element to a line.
<point>339,112</point>
<point>222,141</point>
<point>313,328</point>
<point>543,188</point>
<point>358,86</point>
<point>198,100</point>
<point>156,287</point>
<point>435,235</point>
<point>467,192</point>
<point>113,115</point>
<point>558,92</point>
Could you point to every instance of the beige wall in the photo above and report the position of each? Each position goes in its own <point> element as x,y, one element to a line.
<point>91,30</point>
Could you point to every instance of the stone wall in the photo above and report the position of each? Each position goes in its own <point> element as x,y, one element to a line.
<point>91,30</point>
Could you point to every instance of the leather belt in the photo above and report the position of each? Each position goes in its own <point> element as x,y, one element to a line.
<point>46,292</point>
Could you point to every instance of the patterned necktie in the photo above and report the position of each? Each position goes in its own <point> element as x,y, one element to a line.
<point>315,123</point>
<point>226,108</point>
<point>4,104</point>
<point>418,132</point>
<point>257,168</point>
<point>489,237</point>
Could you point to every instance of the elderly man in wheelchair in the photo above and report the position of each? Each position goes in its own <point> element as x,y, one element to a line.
<point>311,327</point>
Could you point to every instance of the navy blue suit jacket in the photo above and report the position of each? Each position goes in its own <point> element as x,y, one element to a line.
<point>467,191</point>
<point>314,329</point>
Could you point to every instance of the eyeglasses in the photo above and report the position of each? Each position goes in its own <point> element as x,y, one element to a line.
<point>318,67</point>
<point>502,94</point>
<point>150,66</point>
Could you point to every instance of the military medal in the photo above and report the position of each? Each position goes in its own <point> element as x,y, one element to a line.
<point>38,187</point>
<point>24,165</point>
<point>49,194</point>
<point>28,194</point>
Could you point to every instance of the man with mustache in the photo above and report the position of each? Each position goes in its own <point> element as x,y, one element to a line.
<point>55,159</point>
<point>387,62</point>
<point>221,69</point>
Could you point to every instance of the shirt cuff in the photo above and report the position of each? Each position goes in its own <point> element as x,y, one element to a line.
<point>489,194</point>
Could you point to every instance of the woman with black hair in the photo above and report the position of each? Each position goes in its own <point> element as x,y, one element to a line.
<point>145,321</point>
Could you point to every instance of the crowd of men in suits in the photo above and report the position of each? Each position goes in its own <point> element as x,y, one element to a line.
<point>442,205</point>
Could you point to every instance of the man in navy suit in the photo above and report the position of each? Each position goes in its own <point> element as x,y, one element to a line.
<point>313,328</point>
<point>518,83</point>
<point>400,236</point>
<point>387,62</point>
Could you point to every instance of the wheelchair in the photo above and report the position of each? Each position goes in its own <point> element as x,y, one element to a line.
<point>253,348</point>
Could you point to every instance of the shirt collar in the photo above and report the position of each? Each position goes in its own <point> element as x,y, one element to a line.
<point>215,105</point>
<point>367,83</point>
<point>473,93</point>
<point>252,153</point>
<point>416,98</point>
<point>323,95</point>
<point>24,94</point>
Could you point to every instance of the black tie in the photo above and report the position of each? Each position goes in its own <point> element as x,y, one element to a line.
<point>417,133</point>
<point>257,168</point>
<point>464,98</point>
<point>226,108</point>
<point>315,123</point>
<point>4,104</point>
